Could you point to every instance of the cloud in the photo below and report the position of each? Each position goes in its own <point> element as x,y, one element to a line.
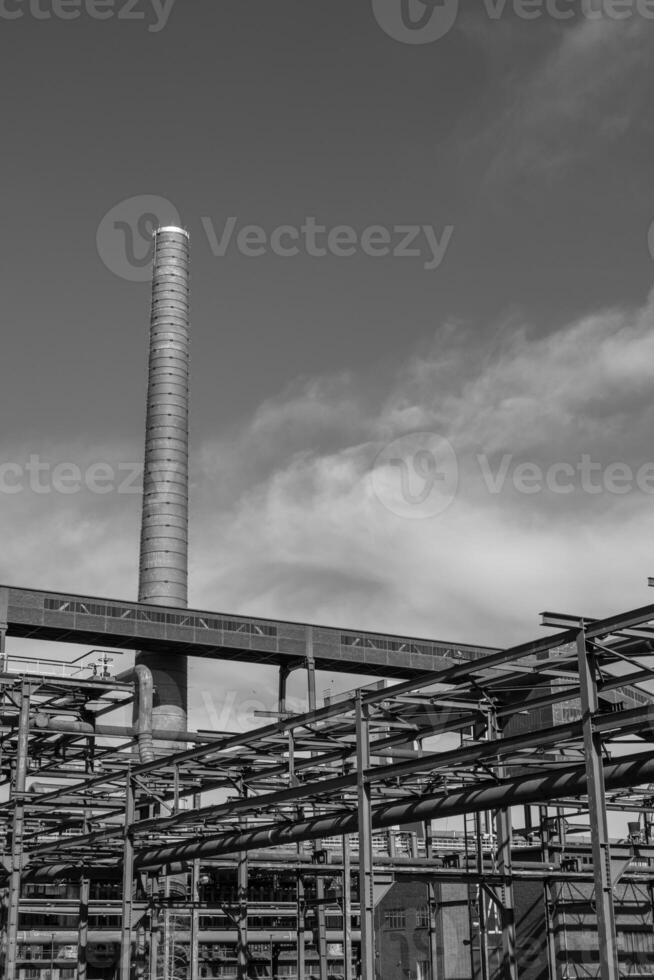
<point>286,521</point>
<point>581,92</point>
<point>307,538</point>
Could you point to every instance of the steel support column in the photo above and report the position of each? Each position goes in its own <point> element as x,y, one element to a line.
<point>22,749</point>
<point>548,893</point>
<point>322,922</point>
<point>242,952</point>
<point>366,875</point>
<point>154,930</point>
<point>484,958</point>
<point>83,927</point>
<point>284,673</point>
<point>504,832</point>
<point>597,814</point>
<point>301,909</point>
<point>128,881</point>
<point>167,938</point>
<point>4,625</point>
<point>320,882</point>
<point>431,906</point>
<point>347,911</point>
<point>195,920</point>
<point>311,669</point>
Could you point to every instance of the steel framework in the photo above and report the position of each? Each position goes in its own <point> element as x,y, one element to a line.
<point>548,724</point>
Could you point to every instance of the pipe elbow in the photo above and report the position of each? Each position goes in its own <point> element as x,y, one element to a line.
<point>144,683</point>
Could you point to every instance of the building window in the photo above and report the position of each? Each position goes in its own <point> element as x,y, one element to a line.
<point>423,971</point>
<point>422,917</point>
<point>395,918</point>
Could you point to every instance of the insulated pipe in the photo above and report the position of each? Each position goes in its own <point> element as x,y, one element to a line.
<point>122,731</point>
<point>55,723</point>
<point>163,567</point>
<point>569,781</point>
<point>103,872</point>
<point>48,788</point>
<point>144,711</point>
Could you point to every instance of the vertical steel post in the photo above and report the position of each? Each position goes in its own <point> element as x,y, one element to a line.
<point>284,673</point>
<point>195,918</point>
<point>347,910</point>
<point>431,905</point>
<point>128,881</point>
<point>242,915</point>
<point>301,952</point>
<point>311,669</point>
<point>468,839</point>
<point>599,827</point>
<point>366,874</point>
<point>504,831</point>
<point>548,893</point>
<point>299,886</point>
<point>243,869</point>
<point>83,928</point>
<point>18,823</point>
<point>166,930</point>
<point>320,882</point>
<point>4,614</point>
<point>322,925</point>
<point>154,933</point>
<point>84,897</point>
<point>483,930</point>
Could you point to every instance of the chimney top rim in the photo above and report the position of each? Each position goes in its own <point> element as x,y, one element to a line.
<point>173,228</point>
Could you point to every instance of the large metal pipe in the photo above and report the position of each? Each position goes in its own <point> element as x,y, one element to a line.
<point>57,723</point>
<point>565,782</point>
<point>144,705</point>
<point>163,569</point>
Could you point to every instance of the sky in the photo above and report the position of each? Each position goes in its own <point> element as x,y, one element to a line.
<point>421,309</point>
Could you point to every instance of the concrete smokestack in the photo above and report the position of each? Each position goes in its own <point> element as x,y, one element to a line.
<point>163,568</point>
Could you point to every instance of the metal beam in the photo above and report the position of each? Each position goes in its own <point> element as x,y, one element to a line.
<point>347,911</point>
<point>363,820</point>
<point>128,881</point>
<point>504,832</point>
<point>597,813</point>
<point>16,856</point>
<point>83,927</point>
<point>242,924</point>
<point>195,921</point>
<point>432,907</point>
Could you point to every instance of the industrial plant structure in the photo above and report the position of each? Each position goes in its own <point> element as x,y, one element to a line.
<point>312,846</point>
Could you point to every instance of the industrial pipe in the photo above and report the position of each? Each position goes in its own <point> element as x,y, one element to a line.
<point>565,782</point>
<point>48,787</point>
<point>59,723</point>
<point>69,872</point>
<point>144,682</point>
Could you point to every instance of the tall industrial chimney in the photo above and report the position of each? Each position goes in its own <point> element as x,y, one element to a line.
<point>163,568</point>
